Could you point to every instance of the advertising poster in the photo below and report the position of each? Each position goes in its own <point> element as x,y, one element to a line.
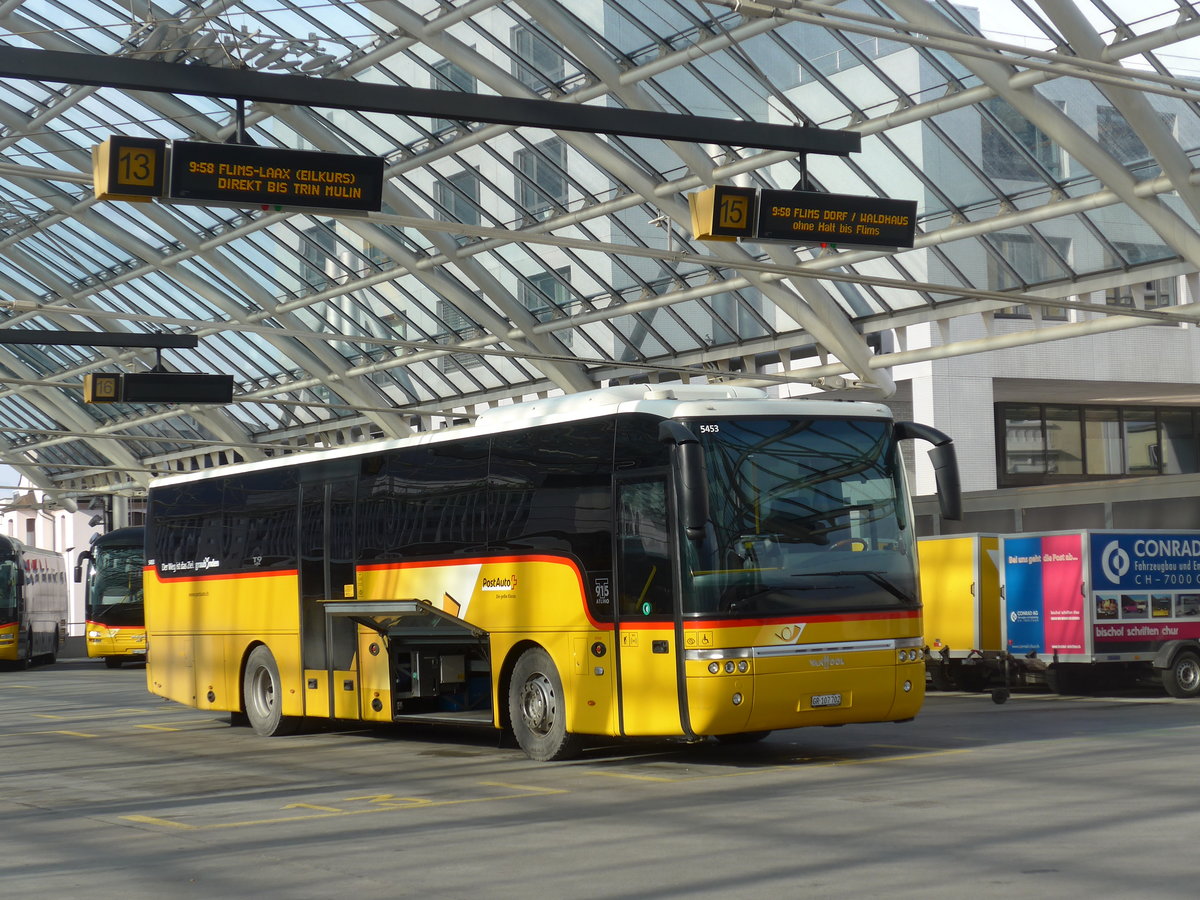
<point>1043,594</point>
<point>1145,589</point>
<point>1024,625</point>
<point>1062,593</point>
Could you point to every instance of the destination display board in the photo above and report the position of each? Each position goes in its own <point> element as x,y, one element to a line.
<point>815,217</point>
<point>242,175</point>
<point>157,387</point>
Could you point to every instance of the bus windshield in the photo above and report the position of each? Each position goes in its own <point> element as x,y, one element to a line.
<point>116,579</point>
<point>806,516</point>
<point>9,581</point>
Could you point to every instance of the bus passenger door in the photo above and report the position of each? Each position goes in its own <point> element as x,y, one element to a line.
<point>647,682</point>
<point>328,644</point>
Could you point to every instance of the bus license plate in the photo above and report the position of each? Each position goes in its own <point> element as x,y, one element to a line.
<point>826,700</point>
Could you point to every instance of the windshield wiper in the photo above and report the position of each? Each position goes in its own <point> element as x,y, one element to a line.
<point>884,583</point>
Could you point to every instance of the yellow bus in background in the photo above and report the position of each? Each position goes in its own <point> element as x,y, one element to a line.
<point>685,561</point>
<point>34,599</point>
<point>111,572</point>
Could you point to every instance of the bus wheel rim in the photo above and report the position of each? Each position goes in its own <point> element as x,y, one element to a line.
<point>537,703</point>
<point>264,690</point>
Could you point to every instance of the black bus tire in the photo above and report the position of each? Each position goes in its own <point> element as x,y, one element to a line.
<point>1182,677</point>
<point>536,708</point>
<point>112,662</point>
<point>262,695</point>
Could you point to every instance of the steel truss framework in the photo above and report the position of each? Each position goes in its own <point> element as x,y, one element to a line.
<point>512,262</point>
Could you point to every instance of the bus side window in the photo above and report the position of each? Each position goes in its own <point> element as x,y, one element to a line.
<point>8,581</point>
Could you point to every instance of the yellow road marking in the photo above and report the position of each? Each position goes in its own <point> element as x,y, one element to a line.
<point>332,809</point>
<point>920,753</point>
<point>152,820</point>
<point>523,787</point>
<point>323,812</point>
<point>879,759</point>
<point>659,778</point>
<point>128,711</point>
<point>177,726</point>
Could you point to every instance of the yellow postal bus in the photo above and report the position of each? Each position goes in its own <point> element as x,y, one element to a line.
<point>685,561</point>
<point>111,572</point>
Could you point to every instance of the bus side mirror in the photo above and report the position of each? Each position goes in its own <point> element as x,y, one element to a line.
<point>83,558</point>
<point>693,485</point>
<point>945,465</point>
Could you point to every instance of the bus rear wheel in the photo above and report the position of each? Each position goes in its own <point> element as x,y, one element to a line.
<point>536,708</point>
<point>113,662</point>
<point>1182,678</point>
<point>262,695</point>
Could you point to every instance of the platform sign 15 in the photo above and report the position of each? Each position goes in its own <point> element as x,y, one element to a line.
<point>129,168</point>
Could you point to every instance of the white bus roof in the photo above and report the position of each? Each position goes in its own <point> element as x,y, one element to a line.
<point>669,401</point>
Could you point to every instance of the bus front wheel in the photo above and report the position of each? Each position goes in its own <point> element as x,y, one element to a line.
<point>262,695</point>
<point>536,708</point>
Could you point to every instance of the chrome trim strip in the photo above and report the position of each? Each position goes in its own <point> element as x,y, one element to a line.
<point>727,653</point>
<point>780,650</point>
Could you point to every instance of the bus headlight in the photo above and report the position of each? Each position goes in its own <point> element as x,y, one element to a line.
<point>737,699</point>
<point>729,667</point>
<point>907,686</point>
<point>743,666</point>
<point>714,667</point>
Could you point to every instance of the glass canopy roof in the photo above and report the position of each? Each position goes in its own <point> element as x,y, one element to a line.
<point>1049,148</point>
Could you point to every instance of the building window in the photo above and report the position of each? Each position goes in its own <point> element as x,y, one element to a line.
<point>450,76</point>
<point>1020,261</point>
<point>1014,148</point>
<point>542,185</point>
<point>378,256</point>
<point>537,64</point>
<point>1044,444</point>
<point>546,295</point>
<point>1141,294</point>
<point>458,195</point>
<point>1118,137</point>
<point>460,328</point>
<point>317,247</point>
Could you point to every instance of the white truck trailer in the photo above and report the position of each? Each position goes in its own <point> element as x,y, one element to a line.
<point>1078,608</point>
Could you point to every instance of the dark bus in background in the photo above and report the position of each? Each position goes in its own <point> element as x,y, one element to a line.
<point>111,571</point>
